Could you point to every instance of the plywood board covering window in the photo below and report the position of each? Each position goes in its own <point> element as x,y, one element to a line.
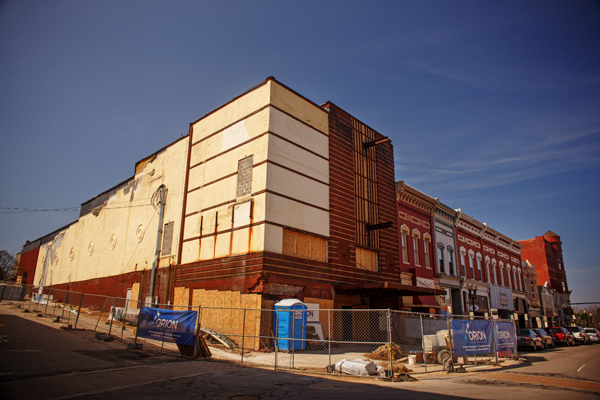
<point>366,259</point>
<point>304,246</point>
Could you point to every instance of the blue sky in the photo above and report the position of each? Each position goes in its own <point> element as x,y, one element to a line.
<point>494,107</point>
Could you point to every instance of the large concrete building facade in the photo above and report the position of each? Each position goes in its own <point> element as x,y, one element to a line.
<point>270,196</point>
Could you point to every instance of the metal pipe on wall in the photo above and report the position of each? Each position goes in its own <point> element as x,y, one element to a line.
<point>162,189</point>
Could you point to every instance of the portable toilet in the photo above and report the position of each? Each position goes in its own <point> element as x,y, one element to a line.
<point>290,323</point>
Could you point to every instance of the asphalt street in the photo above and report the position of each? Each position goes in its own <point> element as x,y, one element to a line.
<point>40,361</point>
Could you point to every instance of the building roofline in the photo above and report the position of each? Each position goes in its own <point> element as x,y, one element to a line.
<point>264,82</point>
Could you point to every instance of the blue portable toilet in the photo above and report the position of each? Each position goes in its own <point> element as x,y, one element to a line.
<point>290,323</point>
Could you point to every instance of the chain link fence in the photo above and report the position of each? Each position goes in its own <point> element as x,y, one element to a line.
<point>325,341</point>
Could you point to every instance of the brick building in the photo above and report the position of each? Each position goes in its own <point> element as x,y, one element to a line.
<point>545,252</point>
<point>416,240</point>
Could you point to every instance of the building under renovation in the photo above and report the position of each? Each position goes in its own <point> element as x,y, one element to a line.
<point>269,196</point>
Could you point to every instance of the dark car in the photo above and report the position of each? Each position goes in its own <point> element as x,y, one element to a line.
<point>528,338</point>
<point>561,336</point>
<point>579,334</point>
<point>547,340</point>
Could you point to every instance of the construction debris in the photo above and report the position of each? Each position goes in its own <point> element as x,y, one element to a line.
<point>383,353</point>
<point>358,368</point>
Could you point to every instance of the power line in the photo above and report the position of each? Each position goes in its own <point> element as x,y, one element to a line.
<point>41,209</point>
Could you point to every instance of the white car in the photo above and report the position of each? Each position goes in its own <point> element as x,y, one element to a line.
<point>593,334</point>
<point>579,334</point>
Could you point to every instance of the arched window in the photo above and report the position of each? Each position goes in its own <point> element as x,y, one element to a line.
<point>426,246</point>
<point>479,272</point>
<point>471,270</point>
<point>501,264</point>
<point>495,272</point>
<point>451,260</point>
<point>463,268</point>
<point>487,268</point>
<point>404,236</point>
<point>509,272</point>
<point>416,235</point>
<point>440,256</point>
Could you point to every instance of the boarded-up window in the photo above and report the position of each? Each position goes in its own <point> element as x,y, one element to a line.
<point>304,246</point>
<point>366,259</point>
<point>244,177</point>
<point>167,239</point>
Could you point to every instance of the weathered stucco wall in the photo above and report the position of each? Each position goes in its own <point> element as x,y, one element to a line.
<point>286,136</point>
<point>120,236</point>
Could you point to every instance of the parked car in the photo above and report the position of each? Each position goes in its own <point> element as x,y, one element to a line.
<point>528,338</point>
<point>593,334</point>
<point>579,334</point>
<point>547,340</point>
<point>561,335</point>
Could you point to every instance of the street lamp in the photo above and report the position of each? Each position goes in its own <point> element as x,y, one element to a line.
<point>472,288</point>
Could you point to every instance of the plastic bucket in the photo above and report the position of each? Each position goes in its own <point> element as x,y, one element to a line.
<point>412,359</point>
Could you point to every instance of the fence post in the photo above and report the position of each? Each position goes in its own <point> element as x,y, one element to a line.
<point>79,310</point>
<point>390,349</point>
<point>329,338</point>
<point>62,314</point>
<point>137,327</point>
<point>70,309</point>
<point>515,336</point>
<point>114,309</point>
<point>46,309</point>
<point>275,334</point>
<point>450,339</point>
<point>495,325</point>
<point>124,318</point>
<point>243,335</point>
<point>197,337</point>
<point>423,343</point>
<point>293,337</point>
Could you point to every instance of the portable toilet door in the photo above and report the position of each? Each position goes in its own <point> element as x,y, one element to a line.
<point>290,323</point>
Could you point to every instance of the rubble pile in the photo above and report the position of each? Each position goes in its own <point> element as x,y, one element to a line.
<point>382,353</point>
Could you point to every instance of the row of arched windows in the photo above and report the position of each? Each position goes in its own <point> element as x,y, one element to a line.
<point>497,268</point>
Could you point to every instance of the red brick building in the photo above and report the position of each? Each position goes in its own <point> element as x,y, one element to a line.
<point>415,239</point>
<point>545,252</point>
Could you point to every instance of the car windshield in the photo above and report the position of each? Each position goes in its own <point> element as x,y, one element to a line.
<point>554,330</point>
<point>573,329</point>
<point>541,332</point>
<point>590,330</point>
<point>523,332</point>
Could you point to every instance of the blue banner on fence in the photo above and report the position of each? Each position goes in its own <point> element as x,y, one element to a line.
<point>505,336</point>
<point>472,337</point>
<point>168,326</point>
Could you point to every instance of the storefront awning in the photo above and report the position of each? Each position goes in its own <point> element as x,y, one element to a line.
<point>386,289</point>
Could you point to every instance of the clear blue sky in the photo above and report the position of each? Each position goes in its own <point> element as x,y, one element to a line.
<point>492,106</point>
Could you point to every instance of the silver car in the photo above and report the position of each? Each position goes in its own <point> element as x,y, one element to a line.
<point>593,334</point>
<point>579,334</point>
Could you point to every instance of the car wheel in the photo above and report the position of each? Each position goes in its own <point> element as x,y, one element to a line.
<point>534,347</point>
<point>543,346</point>
<point>553,344</point>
